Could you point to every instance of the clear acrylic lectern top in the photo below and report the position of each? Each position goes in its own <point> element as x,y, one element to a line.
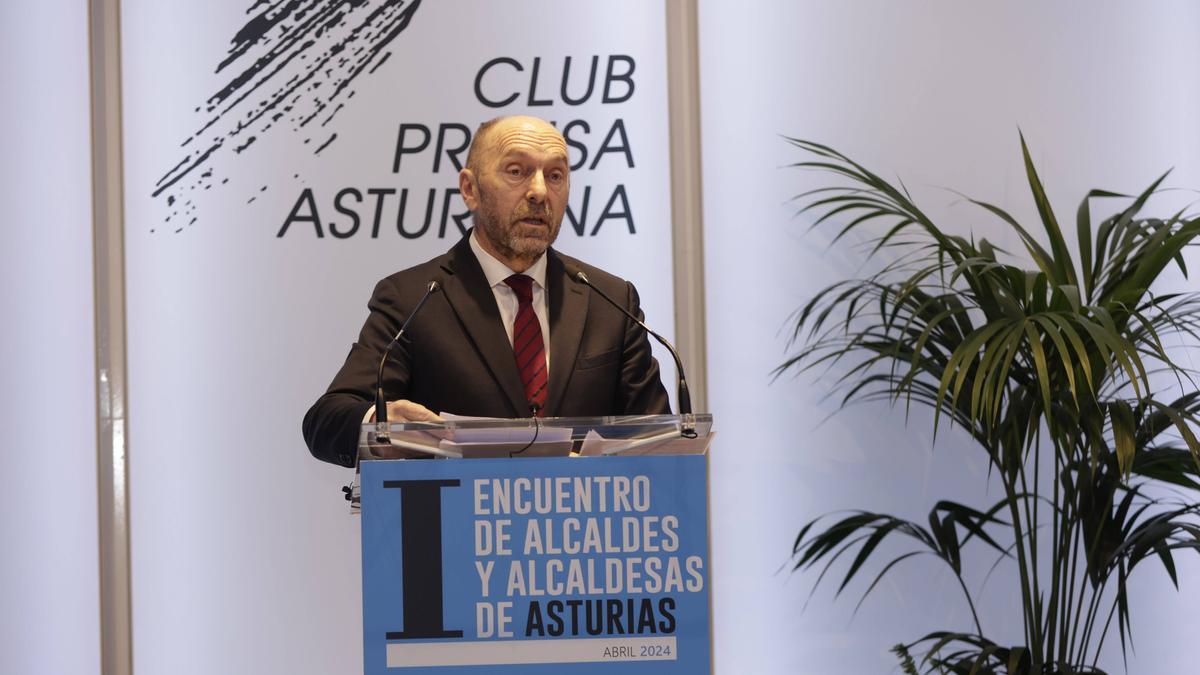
<point>471,437</point>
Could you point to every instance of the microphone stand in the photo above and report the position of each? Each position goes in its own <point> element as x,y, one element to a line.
<point>381,417</point>
<point>687,421</point>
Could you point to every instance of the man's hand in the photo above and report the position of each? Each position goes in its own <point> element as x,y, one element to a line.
<point>408,411</point>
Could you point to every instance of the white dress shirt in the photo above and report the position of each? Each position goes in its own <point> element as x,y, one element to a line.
<point>506,298</point>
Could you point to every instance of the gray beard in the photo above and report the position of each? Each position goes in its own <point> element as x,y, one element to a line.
<point>509,244</point>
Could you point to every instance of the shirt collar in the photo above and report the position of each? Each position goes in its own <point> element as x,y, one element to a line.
<point>496,271</point>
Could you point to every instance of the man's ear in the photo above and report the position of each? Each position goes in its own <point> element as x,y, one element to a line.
<point>468,188</point>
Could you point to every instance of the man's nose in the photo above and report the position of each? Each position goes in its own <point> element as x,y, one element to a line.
<point>537,188</point>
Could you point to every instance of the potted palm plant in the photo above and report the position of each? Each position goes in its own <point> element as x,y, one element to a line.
<point>1057,366</point>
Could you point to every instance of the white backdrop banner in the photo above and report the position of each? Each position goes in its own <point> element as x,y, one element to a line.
<point>280,158</point>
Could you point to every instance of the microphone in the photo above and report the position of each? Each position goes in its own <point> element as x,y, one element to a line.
<point>381,418</point>
<point>688,423</point>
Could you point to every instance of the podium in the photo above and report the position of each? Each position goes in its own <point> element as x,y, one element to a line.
<point>562,545</point>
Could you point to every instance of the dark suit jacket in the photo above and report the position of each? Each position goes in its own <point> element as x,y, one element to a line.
<point>457,357</point>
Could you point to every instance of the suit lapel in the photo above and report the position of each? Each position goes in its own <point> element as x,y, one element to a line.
<point>471,298</point>
<point>568,313</point>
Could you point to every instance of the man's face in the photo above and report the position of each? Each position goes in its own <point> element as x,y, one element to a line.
<point>518,191</point>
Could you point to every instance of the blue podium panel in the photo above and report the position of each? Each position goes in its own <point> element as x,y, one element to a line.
<point>552,565</point>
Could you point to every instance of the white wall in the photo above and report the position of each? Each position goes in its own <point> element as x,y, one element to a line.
<point>932,92</point>
<point>49,593</point>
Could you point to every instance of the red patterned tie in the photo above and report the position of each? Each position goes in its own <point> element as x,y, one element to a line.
<point>528,347</point>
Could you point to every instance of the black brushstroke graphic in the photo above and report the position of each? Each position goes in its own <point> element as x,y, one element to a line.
<point>291,64</point>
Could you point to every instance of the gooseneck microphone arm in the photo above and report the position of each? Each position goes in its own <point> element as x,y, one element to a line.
<point>688,423</point>
<point>381,417</point>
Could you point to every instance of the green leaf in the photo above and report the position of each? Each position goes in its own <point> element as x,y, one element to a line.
<point>1015,657</point>
<point>960,362</point>
<point>1182,426</point>
<point>1062,265</point>
<point>993,353</point>
<point>1123,432</point>
<point>1171,465</point>
<point>882,573</point>
<point>865,552</point>
<point>1083,220</point>
<point>1073,337</point>
<point>907,665</point>
<point>1064,355</point>
<point>1039,359</point>
<point>1040,257</point>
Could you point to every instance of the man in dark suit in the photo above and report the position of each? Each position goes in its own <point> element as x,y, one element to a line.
<point>478,347</point>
